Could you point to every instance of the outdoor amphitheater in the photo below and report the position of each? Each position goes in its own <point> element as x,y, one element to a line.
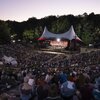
<point>59,67</point>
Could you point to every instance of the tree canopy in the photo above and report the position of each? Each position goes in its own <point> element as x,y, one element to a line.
<point>4,32</point>
<point>87,27</point>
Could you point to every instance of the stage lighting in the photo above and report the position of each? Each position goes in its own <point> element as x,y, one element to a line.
<point>58,40</point>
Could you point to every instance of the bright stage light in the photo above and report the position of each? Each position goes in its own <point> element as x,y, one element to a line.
<point>58,40</point>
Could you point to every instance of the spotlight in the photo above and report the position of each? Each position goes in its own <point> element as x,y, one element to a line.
<point>58,40</point>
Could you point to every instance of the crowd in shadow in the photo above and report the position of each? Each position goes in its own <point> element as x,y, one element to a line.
<point>45,76</point>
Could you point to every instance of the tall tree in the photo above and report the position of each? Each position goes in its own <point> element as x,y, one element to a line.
<point>4,32</point>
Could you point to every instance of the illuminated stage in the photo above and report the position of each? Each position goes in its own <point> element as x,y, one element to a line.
<point>58,44</point>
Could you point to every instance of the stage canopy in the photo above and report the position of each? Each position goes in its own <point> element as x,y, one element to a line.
<point>69,35</point>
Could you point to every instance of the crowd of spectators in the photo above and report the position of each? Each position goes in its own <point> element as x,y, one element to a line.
<point>45,76</point>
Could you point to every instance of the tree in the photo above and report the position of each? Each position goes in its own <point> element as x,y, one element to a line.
<point>96,36</point>
<point>30,35</point>
<point>87,33</point>
<point>4,32</point>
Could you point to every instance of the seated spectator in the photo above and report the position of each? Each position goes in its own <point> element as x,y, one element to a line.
<point>32,83</point>
<point>48,78</point>
<point>86,90</point>
<point>62,77</point>
<point>42,89</point>
<point>67,90</point>
<point>25,90</point>
<point>55,79</point>
<point>3,97</point>
<point>53,93</point>
<point>96,91</point>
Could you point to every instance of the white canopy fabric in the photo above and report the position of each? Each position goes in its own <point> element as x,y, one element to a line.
<point>70,35</point>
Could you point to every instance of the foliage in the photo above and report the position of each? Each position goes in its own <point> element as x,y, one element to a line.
<point>30,35</point>
<point>87,27</point>
<point>4,32</point>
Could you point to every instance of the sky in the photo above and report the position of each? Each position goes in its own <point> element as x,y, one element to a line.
<point>22,10</point>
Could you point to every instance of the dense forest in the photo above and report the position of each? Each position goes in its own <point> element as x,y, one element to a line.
<point>87,27</point>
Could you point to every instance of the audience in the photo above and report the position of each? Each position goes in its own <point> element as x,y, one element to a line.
<point>45,76</point>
